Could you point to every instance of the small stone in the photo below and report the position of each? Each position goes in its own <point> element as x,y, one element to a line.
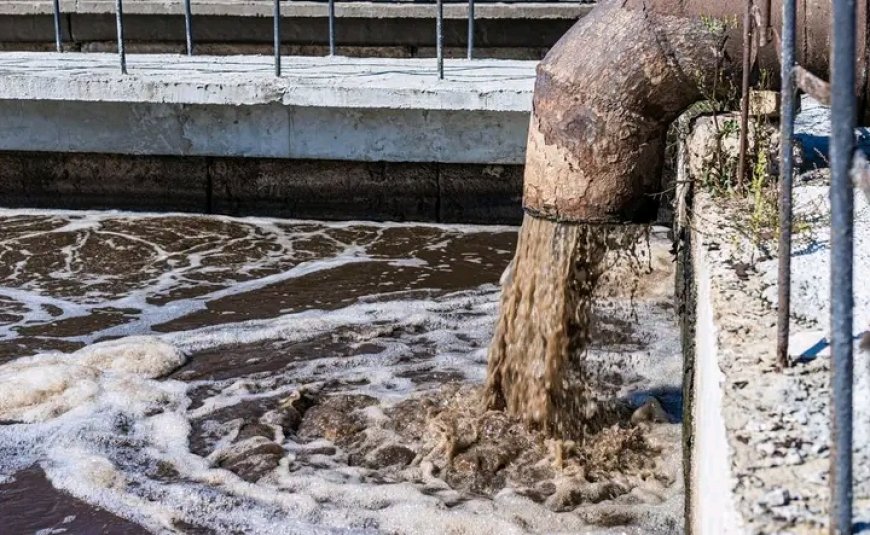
<point>392,455</point>
<point>253,458</point>
<point>651,411</point>
<point>775,498</point>
<point>764,103</point>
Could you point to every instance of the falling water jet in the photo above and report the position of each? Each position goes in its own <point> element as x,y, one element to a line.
<point>538,369</point>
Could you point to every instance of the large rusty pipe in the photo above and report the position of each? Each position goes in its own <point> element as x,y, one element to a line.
<point>608,90</point>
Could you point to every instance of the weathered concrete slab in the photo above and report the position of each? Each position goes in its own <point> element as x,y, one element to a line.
<point>326,189</point>
<point>39,180</point>
<point>481,193</point>
<point>308,189</point>
<point>490,85</point>
<point>322,108</point>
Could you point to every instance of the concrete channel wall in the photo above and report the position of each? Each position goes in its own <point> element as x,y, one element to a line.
<point>515,30</point>
<point>712,498</point>
<point>709,482</point>
<point>330,138</point>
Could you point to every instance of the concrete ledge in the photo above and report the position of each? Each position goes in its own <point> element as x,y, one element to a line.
<point>477,85</point>
<point>334,109</point>
<point>256,186</point>
<point>264,131</point>
<point>712,491</point>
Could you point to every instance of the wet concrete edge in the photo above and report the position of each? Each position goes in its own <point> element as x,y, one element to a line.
<point>318,189</point>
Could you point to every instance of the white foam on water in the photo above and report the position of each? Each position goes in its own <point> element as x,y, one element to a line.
<point>223,257</point>
<point>41,387</point>
<point>98,423</point>
<point>110,440</point>
<point>106,427</point>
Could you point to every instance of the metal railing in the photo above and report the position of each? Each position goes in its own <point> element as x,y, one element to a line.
<point>847,168</point>
<point>841,95</point>
<point>276,29</point>
<point>845,164</point>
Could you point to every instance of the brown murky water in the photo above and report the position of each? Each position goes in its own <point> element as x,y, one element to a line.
<point>538,369</point>
<point>330,380</point>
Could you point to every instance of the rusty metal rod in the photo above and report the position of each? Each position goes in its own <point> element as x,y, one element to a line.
<point>843,122</point>
<point>119,24</point>
<point>331,6</point>
<point>439,37</point>
<point>744,94</point>
<point>57,32</point>
<point>276,35</point>
<point>470,29</point>
<point>188,27</point>
<point>763,23</point>
<point>786,158</point>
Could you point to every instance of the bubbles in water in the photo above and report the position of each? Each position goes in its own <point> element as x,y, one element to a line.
<point>538,369</point>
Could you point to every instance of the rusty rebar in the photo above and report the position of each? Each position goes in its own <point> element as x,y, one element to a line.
<point>188,27</point>
<point>58,41</point>
<point>119,28</point>
<point>439,37</point>
<point>744,94</point>
<point>276,35</point>
<point>786,158</point>
<point>470,43</point>
<point>763,25</point>
<point>331,17</point>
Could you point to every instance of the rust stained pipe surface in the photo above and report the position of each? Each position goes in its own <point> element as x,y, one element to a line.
<point>608,90</point>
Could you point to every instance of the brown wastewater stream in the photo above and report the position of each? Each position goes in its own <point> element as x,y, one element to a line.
<point>192,374</point>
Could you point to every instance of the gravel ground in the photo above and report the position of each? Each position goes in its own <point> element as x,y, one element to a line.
<point>777,423</point>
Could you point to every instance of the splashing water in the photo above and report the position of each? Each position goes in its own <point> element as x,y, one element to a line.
<point>323,377</point>
<point>537,366</point>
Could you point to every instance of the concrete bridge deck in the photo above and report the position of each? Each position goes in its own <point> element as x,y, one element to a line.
<point>330,108</point>
<point>332,137</point>
<point>477,85</point>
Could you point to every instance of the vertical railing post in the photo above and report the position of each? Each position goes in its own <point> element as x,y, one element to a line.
<point>744,94</point>
<point>276,31</point>
<point>331,27</point>
<point>119,22</point>
<point>470,29</point>
<point>57,37</point>
<point>786,158</point>
<point>439,37</point>
<point>843,119</point>
<point>188,27</point>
